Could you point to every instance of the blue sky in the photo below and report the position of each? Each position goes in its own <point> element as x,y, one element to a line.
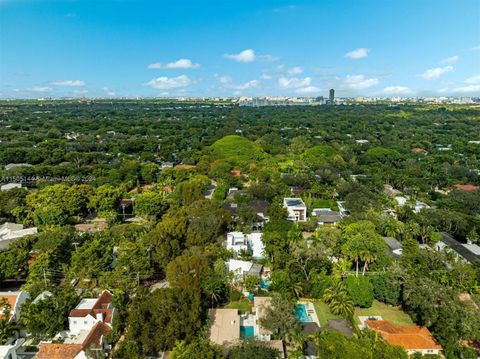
<point>129,48</point>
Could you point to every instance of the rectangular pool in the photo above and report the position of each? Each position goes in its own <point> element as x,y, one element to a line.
<point>246,332</point>
<point>301,313</point>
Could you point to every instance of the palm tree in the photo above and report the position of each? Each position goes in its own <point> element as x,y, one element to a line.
<point>367,257</point>
<point>341,268</point>
<point>338,300</point>
<point>297,339</point>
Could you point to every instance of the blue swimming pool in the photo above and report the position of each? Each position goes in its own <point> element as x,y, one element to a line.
<point>246,332</point>
<point>301,313</point>
<point>264,284</point>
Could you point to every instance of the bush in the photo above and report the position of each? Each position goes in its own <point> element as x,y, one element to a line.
<point>235,295</point>
<point>386,288</point>
<point>361,291</point>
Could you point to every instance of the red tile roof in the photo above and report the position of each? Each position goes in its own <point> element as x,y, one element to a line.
<point>11,300</point>
<point>409,337</point>
<point>466,187</point>
<point>418,150</point>
<point>58,351</point>
<point>70,351</point>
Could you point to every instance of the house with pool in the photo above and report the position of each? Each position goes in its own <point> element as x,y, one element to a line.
<point>228,327</point>
<point>251,243</point>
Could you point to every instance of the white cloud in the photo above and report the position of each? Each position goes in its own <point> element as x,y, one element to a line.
<point>246,85</point>
<point>70,83</point>
<point>468,89</point>
<point>475,48</point>
<point>269,58</point>
<point>179,64</point>
<point>359,82</point>
<point>227,81</point>
<point>297,70</point>
<point>436,72</point>
<point>307,90</point>
<point>473,80</point>
<point>285,82</point>
<point>265,77</point>
<point>244,56</point>
<point>39,89</point>
<point>359,53</point>
<point>165,83</point>
<point>450,60</point>
<point>397,90</point>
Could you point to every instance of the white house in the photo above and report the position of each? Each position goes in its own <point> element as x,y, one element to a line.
<point>238,241</point>
<point>9,186</point>
<point>10,232</point>
<point>8,352</point>
<point>297,210</point>
<point>91,311</point>
<point>240,269</point>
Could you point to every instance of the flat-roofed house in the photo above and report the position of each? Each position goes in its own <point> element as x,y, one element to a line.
<point>297,210</point>
<point>225,327</point>
<point>413,338</point>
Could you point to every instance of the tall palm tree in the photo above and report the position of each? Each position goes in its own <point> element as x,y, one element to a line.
<point>297,339</point>
<point>338,300</point>
<point>341,268</point>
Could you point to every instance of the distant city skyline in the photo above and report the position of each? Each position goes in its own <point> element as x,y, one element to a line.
<point>126,48</point>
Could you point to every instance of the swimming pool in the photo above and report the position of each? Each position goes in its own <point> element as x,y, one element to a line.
<point>301,313</point>
<point>246,332</point>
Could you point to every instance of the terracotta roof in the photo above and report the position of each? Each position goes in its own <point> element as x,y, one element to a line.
<point>185,167</point>
<point>70,351</point>
<point>466,187</point>
<point>58,351</point>
<point>145,187</point>
<point>236,173</point>
<point>12,300</point>
<point>409,337</point>
<point>101,306</point>
<point>418,150</point>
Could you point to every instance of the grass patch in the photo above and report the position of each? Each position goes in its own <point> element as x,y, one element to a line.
<point>393,314</point>
<point>243,305</point>
<point>324,203</point>
<point>323,312</point>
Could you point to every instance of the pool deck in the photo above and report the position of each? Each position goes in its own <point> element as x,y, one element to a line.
<point>311,312</point>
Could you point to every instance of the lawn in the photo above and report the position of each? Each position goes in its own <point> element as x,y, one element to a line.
<point>324,203</point>
<point>323,312</point>
<point>243,305</point>
<point>393,314</point>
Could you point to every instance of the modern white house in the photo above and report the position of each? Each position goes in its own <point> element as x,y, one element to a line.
<point>297,210</point>
<point>240,269</point>
<point>238,241</point>
<point>9,186</point>
<point>10,232</point>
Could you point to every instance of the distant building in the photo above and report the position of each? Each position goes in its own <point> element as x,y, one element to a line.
<point>395,248</point>
<point>225,328</point>
<point>15,301</point>
<point>241,269</point>
<point>297,210</point>
<point>331,97</point>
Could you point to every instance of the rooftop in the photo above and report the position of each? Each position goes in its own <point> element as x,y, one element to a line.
<point>464,250</point>
<point>409,337</point>
<point>225,328</point>
<point>294,202</point>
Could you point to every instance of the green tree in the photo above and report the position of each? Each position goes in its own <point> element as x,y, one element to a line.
<point>338,300</point>
<point>279,317</point>
<point>198,348</point>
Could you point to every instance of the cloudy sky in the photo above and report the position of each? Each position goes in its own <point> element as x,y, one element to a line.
<point>116,48</point>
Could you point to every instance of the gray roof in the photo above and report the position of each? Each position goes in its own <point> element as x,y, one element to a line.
<point>459,248</point>
<point>328,216</point>
<point>255,270</point>
<point>392,243</point>
<point>341,325</point>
